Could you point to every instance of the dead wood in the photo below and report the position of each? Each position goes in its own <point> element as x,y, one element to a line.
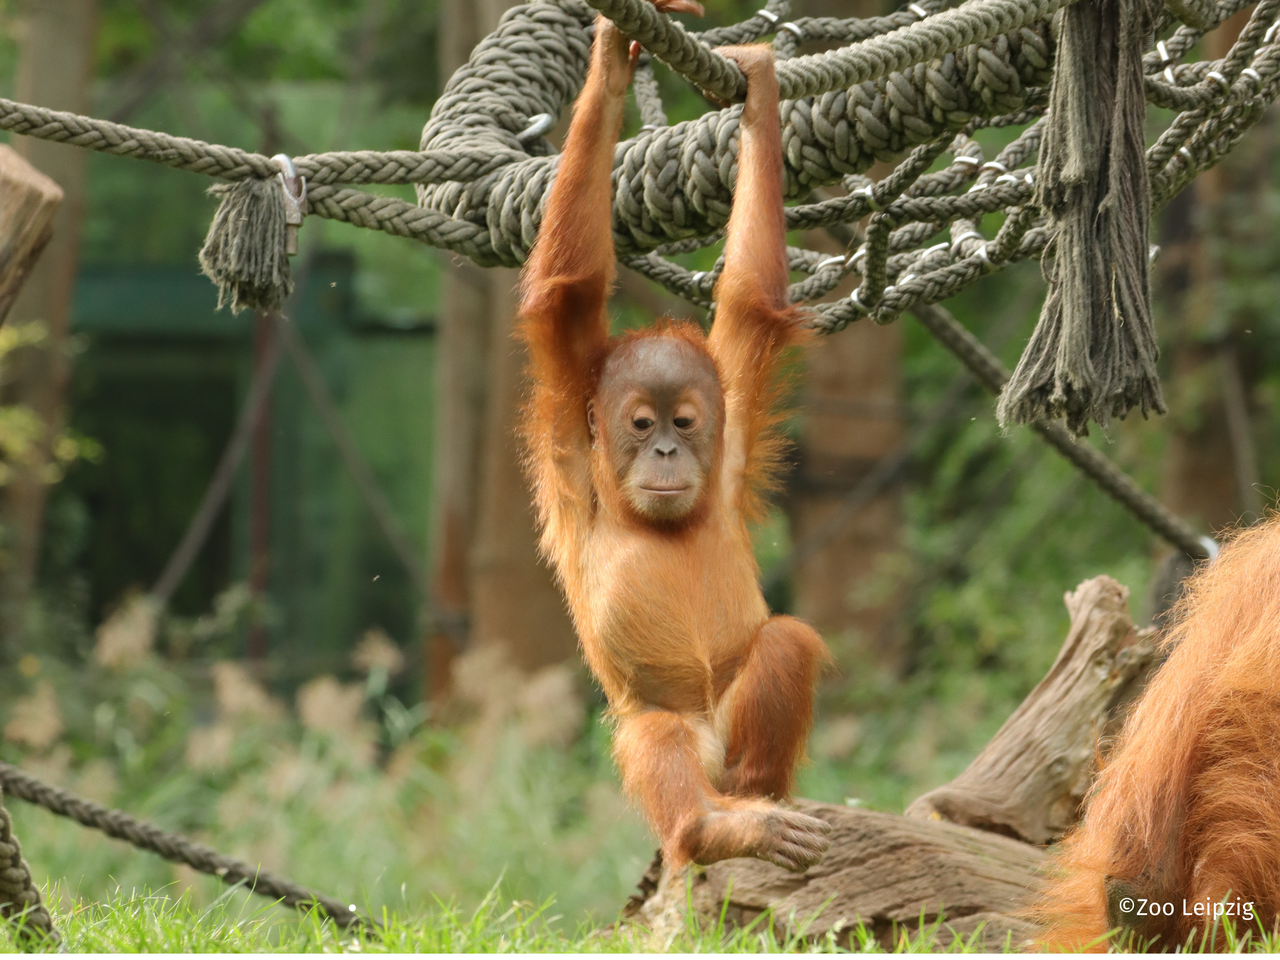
<point>1029,781</point>
<point>28,200</point>
<point>966,853</point>
<point>883,870</point>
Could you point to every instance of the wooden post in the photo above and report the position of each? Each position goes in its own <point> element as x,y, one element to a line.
<point>260,489</point>
<point>28,201</point>
<point>960,853</point>
<point>55,69</point>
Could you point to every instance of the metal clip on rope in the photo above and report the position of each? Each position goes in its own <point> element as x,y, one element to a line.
<point>539,124</point>
<point>294,187</point>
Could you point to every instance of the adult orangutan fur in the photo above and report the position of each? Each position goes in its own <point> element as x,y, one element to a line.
<point>1183,828</point>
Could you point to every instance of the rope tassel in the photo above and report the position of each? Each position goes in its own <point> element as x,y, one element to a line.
<point>1093,353</point>
<point>246,252</point>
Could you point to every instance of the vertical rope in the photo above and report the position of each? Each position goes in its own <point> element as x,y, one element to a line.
<point>20,901</point>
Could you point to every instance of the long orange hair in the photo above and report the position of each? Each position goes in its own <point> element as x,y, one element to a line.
<point>1187,808</point>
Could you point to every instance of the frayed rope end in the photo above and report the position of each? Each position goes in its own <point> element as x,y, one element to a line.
<point>244,253</point>
<point>1093,353</point>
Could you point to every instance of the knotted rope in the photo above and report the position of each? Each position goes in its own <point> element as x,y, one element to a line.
<point>20,901</point>
<point>1093,353</point>
<point>172,846</point>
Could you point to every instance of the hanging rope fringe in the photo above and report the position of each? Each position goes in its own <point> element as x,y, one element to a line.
<point>255,230</point>
<point>20,901</point>
<point>1093,353</point>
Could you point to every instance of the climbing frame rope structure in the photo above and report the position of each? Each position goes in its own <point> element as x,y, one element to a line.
<point>919,82</point>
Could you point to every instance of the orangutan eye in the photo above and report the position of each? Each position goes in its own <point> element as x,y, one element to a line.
<point>642,423</point>
<point>686,415</point>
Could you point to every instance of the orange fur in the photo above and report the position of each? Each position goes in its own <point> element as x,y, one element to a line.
<point>1188,806</point>
<point>712,698</point>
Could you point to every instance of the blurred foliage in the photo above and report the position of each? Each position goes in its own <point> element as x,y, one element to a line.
<point>347,789</point>
<point>25,444</point>
<point>251,41</point>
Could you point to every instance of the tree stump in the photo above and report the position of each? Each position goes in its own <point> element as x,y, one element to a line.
<point>28,201</point>
<point>966,855</point>
<point>1029,781</point>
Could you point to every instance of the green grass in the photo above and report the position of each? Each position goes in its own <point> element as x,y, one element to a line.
<point>238,923</point>
<point>235,923</point>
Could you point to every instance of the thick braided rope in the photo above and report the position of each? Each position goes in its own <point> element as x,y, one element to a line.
<point>1197,139</point>
<point>20,901</point>
<point>675,182</point>
<point>929,39</point>
<point>172,846</point>
<point>232,163</point>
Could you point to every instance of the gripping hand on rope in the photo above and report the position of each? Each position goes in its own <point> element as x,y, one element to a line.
<point>620,54</point>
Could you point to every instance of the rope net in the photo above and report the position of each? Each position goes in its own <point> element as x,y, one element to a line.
<point>484,165</point>
<point>911,88</point>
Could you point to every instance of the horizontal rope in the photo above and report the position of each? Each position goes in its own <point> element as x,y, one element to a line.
<point>232,163</point>
<point>172,846</point>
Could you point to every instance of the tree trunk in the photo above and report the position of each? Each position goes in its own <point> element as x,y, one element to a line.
<point>460,404</point>
<point>960,853</point>
<point>1210,471</point>
<point>885,871</point>
<point>515,600</point>
<point>489,585</point>
<point>1029,781</point>
<point>55,66</point>
<point>460,391</point>
<point>852,418</point>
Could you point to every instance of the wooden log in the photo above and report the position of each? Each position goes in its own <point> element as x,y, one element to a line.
<point>28,201</point>
<point>1029,781</point>
<point>965,854</point>
<point>887,872</point>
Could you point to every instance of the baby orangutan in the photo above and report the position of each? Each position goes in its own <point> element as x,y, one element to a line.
<point>648,454</point>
